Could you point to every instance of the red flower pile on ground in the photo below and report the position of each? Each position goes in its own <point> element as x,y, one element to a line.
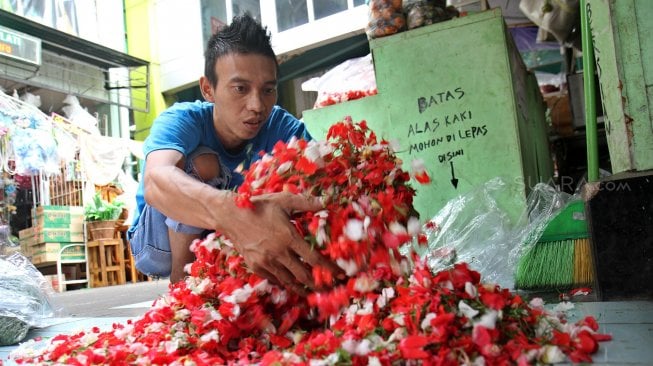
<point>392,309</point>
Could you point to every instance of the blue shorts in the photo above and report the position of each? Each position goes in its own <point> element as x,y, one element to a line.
<point>149,240</point>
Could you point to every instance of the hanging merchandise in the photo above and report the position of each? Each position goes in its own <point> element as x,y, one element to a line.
<point>79,116</point>
<point>102,158</point>
<point>29,133</point>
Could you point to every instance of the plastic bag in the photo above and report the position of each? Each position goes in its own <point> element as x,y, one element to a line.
<point>561,18</point>
<point>385,17</point>
<point>352,79</point>
<point>473,228</point>
<point>425,12</point>
<point>7,246</point>
<point>25,298</point>
<point>79,116</point>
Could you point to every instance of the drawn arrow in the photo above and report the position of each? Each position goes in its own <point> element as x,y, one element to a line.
<point>454,181</point>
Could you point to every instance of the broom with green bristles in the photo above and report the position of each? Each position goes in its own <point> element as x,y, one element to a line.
<point>561,258</point>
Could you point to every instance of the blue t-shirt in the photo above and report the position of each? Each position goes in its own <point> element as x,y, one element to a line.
<point>185,126</point>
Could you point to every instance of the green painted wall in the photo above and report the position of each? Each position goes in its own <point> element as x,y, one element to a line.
<point>456,95</point>
<point>139,17</point>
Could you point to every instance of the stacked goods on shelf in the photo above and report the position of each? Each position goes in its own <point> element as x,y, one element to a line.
<point>53,228</point>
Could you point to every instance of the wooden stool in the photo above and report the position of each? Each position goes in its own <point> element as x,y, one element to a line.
<point>130,266</point>
<point>106,262</point>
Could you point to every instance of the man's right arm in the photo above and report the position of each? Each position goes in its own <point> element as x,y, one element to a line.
<point>264,236</point>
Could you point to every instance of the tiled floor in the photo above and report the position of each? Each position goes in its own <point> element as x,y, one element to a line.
<point>629,322</point>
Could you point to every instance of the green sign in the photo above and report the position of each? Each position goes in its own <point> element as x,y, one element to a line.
<point>20,46</point>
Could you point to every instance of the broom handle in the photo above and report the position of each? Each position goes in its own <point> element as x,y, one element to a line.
<point>589,93</point>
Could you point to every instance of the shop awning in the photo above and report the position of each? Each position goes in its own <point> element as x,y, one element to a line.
<point>69,47</point>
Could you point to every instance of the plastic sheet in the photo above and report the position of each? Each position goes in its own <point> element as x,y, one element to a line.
<point>25,298</point>
<point>473,228</point>
<point>352,79</point>
<point>385,17</point>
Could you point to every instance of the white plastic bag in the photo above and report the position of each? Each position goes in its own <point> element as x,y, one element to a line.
<point>352,79</point>
<point>561,18</point>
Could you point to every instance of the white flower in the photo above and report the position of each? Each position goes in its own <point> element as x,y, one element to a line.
<point>82,359</point>
<point>426,322</point>
<point>367,309</point>
<point>349,266</point>
<point>354,229</point>
<point>292,143</point>
<point>386,294</point>
<point>394,145</point>
<point>284,167</point>
<point>239,295</point>
<point>551,354</point>
<point>417,165</point>
<point>182,314</point>
<point>487,320</point>
<point>563,307</point>
<point>213,335</point>
<point>124,331</point>
<point>466,310</point>
<point>331,359</point>
<point>399,319</point>
<point>471,290</point>
<point>88,339</point>
<point>414,226</point>
<point>171,345</point>
<point>537,303</point>
<point>198,288</point>
<point>154,327</point>
<point>138,348</point>
<point>373,361</point>
<point>325,148</point>
<point>279,297</point>
<point>397,228</point>
<point>365,284</point>
<point>313,153</point>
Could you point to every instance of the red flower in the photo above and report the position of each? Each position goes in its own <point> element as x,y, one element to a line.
<point>412,347</point>
<point>392,308</point>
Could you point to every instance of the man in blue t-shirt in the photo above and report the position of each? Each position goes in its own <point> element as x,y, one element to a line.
<point>192,155</point>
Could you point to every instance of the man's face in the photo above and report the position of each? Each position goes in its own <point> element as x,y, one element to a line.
<point>244,96</point>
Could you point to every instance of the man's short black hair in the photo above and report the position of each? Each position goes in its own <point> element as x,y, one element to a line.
<point>244,35</point>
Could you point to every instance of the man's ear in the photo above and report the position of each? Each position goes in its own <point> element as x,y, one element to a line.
<point>207,89</point>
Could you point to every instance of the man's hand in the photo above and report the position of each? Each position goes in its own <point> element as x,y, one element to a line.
<point>271,245</point>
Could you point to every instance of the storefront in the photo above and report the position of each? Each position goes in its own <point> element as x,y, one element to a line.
<point>66,115</point>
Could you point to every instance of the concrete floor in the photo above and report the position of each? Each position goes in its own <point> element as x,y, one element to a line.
<point>113,301</point>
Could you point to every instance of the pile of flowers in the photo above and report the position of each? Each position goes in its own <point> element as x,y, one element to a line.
<point>391,308</point>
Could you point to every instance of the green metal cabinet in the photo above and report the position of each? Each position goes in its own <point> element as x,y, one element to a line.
<point>622,32</point>
<point>458,96</point>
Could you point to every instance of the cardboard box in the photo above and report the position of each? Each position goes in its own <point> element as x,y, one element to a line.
<point>26,233</point>
<point>28,241</point>
<point>57,216</point>
<point>49,252</point>
<point>54,235</point>
<point>51,209</point>
<point>40,222</point>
